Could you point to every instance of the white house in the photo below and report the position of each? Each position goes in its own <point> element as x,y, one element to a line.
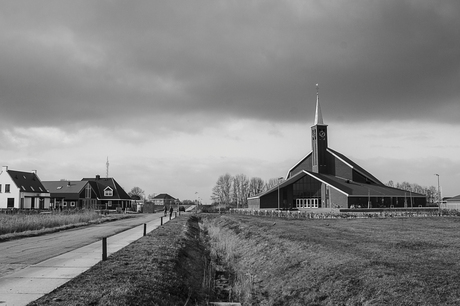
<point>22,190</point>
<point>453,203</point>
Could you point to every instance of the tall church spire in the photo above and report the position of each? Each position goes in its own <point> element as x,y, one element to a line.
<point>318,114</point>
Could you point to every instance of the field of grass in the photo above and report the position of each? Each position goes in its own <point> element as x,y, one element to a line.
<point>395,261</point>
<point>272,261</point>
<point>23,225</point>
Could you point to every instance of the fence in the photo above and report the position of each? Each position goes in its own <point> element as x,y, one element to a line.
<point>302,214</point>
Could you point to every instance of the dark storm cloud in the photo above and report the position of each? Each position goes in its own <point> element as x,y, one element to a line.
<point>98,62</point>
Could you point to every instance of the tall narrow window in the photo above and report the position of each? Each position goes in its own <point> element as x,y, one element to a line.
<point>88,191</point>
<point>0,188</point>
<point>7,187</point>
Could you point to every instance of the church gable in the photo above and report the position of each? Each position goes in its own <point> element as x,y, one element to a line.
<point>304,164</point>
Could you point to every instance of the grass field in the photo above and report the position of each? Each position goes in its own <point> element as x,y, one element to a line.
<point>270,261</point>
<point>396,261</point>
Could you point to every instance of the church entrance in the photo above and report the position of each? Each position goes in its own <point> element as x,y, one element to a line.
<point>307,203</point>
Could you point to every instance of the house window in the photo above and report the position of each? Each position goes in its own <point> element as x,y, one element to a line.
<point>108,192</point>
<point>7,187</point>
<point>88,191</point>
<point>0,188</point>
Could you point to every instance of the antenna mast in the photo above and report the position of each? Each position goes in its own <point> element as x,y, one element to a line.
<point>107,168</point>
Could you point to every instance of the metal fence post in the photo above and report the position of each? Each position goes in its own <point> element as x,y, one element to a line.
<point>145,229</point>
<point>104,248</point>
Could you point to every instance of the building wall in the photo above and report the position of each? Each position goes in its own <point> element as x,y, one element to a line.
<point>304,165</point>
<point>343,170</point>
<point>337,199</point>
<point>254,203</point>
<point>13,194</point>
<point>269,200</point>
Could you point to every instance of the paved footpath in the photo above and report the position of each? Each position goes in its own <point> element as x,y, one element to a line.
<point>29,284</point>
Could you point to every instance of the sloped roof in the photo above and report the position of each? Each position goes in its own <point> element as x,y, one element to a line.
<point>64,188</point>
<point>352,188</point>
<point>456,198</point>
<point>100,184</point>
<point>347,187</point>
<point>27,181</point>
<point>163,196</point>
<point>354,165</point>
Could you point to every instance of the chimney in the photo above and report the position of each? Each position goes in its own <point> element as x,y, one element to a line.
<point>4,168</point>
<point>98,177</point>
<point>68,184</point>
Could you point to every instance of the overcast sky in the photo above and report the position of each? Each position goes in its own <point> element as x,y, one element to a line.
<point>177,93</point>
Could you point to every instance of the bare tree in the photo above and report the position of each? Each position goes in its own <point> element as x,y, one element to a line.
<point>222,191</point>
<point>256,186</point>
<point>240,190</point>
<point>137,191</point>
<point>273,182</point>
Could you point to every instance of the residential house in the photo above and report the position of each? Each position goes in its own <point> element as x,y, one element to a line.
<point>452,203</point>
<point>22,190</point>
<point>71,194</point>
<point>109,193</point>
<point>164,199</point>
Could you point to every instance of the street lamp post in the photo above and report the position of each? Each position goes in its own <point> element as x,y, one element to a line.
<point>439,191</point>
<point>280,178</point>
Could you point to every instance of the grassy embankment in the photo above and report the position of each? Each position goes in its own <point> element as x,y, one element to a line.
<point>166,267</point>
<point>270,261</point>
<point>25,225</point>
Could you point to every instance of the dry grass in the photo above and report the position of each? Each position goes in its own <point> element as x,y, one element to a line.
<point>340,262</point>
<point>24,225</point>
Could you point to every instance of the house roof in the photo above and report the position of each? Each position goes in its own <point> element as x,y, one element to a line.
<point>64,188</point>
<point>456,198</point>
<point>163,196</point>
<point>100,184</point>
<point>27,181</point>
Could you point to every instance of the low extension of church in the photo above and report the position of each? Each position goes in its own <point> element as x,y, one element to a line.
<point>325,178</point>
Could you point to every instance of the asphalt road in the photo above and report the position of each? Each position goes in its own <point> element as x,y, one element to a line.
<point>20,253</point>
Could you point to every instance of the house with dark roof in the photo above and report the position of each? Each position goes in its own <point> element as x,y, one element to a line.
<point>325,178</point>
<point>71,194</point>
<point>110,195</point>
<point>164,199</point>
<point>22,190</point>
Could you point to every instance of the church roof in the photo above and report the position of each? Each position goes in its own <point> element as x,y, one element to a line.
<point>352,188</point>
<point>347,187</point>
<point>354,165</point>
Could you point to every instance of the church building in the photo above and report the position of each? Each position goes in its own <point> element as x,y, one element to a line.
<point>325,178</point>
